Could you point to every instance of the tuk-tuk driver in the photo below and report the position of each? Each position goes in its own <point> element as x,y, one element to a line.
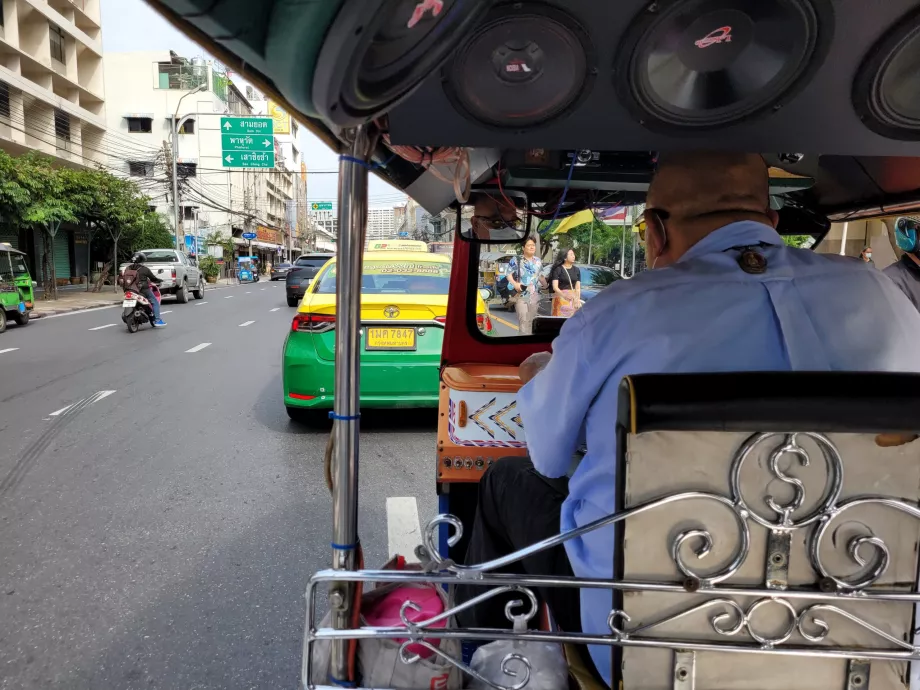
<point>725,294</point>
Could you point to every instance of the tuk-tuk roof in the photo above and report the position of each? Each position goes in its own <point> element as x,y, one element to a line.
<point>6,247</point>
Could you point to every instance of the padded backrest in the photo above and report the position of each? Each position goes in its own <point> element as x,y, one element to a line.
<point>776,505</point>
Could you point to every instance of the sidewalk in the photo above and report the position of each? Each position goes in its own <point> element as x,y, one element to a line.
<point>75,300</point>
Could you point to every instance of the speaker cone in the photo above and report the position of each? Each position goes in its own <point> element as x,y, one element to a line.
<point>710,63</point>
<point>527,64</point>
<point>887,88</point>
<point>378,51</point>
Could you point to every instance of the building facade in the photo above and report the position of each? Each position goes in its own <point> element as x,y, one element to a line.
<point>52,100</point>
<point>381,223</point>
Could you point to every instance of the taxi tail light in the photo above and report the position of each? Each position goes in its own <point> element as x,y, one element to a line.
<point>481,321</point>
<point>440,319</point>
<point>313,323</point>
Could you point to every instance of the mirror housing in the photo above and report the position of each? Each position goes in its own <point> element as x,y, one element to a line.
<point>488,216</point>
<point>486,293</point>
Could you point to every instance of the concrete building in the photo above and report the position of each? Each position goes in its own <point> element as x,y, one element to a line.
<point>327,221</point>
<point>52,100</point>
<point>381,223</point>
<point>148,90</point>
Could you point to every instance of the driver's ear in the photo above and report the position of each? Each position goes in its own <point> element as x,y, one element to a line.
<point>773,216</point>
<point>655,237</point>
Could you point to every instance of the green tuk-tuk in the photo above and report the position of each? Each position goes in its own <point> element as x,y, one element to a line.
<point>16,296</point>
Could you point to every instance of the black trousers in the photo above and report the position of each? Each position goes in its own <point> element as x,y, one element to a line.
<point>518,507</point>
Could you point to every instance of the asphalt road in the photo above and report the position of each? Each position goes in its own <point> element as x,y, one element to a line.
<point>159,514</point>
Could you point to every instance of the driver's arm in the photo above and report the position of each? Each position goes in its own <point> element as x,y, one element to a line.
<point>149,275</point>
<point>554,404</point>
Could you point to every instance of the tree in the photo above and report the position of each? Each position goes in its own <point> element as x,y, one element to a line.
<point>798,240</point>
<point>149,233</point>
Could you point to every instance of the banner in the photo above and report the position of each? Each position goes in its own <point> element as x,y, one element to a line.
<point>281,118</point>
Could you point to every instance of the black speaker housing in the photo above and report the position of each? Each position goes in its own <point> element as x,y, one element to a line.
<point>869,98</point>
<point>362,70</point>
<point>814,116</point>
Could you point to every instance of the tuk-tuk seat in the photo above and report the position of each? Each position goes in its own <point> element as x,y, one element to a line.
<point>791,453</point>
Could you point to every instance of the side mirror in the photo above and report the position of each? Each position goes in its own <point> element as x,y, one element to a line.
<point>34,284</point>
<point>494,217</point>
<point>486,293</point>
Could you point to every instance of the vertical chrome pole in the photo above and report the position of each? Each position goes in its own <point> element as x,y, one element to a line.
<point>352,226</point>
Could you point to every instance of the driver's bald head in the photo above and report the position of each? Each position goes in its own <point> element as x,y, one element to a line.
<point>694,185</point>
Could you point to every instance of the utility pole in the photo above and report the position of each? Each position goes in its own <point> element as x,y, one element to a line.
<point>175,158</point>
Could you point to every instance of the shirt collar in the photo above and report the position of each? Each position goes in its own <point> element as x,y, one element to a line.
<point>744,233</point>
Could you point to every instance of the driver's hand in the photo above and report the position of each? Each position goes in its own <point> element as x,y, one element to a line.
<point>533,365</point>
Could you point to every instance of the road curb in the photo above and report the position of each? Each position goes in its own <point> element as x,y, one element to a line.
<point>68,310</point>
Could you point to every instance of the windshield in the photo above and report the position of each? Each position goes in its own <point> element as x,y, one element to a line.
<point>283,266</point>
<point>161,256</point>
<point>312,261</point>
<point>19,269</point>
<point>396,277</point>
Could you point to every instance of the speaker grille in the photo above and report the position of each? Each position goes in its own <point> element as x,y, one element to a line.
<point>528,64</point>
<point>710,63</point>
<point>378,51</point>
<point>887,88</point>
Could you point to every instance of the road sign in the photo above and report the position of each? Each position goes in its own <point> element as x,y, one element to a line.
<point>247,142</point>
<point>321,206</point>
<point>249,235</point>
<point>404,234</point>
<point>249,159</point>
<point>246,125</point>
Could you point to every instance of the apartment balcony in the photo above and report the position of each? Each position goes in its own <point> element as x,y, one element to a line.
<point>85,14</point>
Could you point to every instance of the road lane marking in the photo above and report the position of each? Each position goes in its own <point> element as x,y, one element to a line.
<point>9,349</point>
<point>248,292</point>
<point>227,296</point>
<point>198,304</point>
<point>198,348</point>
<point>99,328</point>
<point>404,531</point>
<point>503,322</point>
<point>264,289</point>
<point>166,312</point>
<point>275,309</point>
<point>247,323</point>
<point>86,402</point>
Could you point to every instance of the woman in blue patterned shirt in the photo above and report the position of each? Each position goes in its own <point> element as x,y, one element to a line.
<point>526,278</point>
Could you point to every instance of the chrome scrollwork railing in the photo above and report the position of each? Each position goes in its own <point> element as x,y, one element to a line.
<point>805,632</point>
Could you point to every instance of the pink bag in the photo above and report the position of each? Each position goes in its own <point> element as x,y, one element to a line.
<point>384,611</point>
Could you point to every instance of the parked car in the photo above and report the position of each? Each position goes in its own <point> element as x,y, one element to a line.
<point>280,271</point>
<point>302,273</point>
<point>180,275</point>
<point>593,280</point>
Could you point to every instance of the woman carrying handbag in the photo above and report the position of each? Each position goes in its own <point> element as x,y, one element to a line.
<point>565,279</point>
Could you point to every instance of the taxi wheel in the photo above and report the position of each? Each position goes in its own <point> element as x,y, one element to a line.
<point>22,320</point>
<point>292,301</point>
<point>305,416</point>
<point>2,320</point>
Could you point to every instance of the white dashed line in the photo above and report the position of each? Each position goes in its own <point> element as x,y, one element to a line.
<point>247,323</point>
<point>404,531</point>
<point>198,348</point>
<point>227,296</point>
<point>9,349</point>
<point>96,397</point>
<point>166,312</point>
<point>198,304</point>
<point>99,328</point>
<point>275,309</point>
<point>248,292</point>
<point>264,289</point>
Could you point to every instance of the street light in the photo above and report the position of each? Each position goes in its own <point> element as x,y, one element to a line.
<point>175,157</point>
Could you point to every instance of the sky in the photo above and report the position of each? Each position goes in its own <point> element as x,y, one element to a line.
<point>130,25</point>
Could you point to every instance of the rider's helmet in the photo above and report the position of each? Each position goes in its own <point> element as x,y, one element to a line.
<point>138,258</point>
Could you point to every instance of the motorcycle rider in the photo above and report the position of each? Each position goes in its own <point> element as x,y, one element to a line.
<point>144,276</point>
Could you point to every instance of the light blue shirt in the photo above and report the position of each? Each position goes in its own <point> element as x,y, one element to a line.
<point>807,312</point>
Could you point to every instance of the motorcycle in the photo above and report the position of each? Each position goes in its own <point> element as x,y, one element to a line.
<point>137,309</point>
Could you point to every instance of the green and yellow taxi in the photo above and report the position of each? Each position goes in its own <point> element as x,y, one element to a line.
<point>16,296</point>
<point>403,311</point>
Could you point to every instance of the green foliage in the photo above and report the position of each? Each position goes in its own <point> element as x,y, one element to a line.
<point>604,241</point>
<point>209,267</point>
<point>797,240</point>
<point>151,232</point>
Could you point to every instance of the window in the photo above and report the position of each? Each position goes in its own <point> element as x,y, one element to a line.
<point>188,212</point>
<point>151,209</point>
<point>187,169</point>
<point>188,127</point>
<point>4,100</point>
<point>62,125</point>
<point>57,43</point>
<point>293,129</point>
<point>161,256</point>
<point>140,168</point>
<point>142,125</point>
<point>396,277</point>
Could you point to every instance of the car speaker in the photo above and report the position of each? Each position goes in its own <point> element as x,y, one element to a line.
<point>886,91</point>
<point>528,64</point>
<point>377,51</point>
<point>698,64</point>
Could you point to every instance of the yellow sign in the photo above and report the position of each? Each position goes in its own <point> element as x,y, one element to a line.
<point>303,172</point>
<point>281,119</point>
<point>269,235</point>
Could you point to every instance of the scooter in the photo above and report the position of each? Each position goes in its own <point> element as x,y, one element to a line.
<point>136,309</point>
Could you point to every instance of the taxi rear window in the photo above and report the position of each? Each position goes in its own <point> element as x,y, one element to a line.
<point>396,277</point>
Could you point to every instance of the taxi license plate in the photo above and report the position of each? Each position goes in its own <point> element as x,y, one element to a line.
<point>129,303</point>
<point>390,339</point>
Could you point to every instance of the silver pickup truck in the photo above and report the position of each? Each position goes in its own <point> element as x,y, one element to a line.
<point>179,273</point>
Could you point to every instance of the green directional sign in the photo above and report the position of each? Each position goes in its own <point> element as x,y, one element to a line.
<point>249,159</point>
<point>246,125</point>
<point>247,142</point>
<point>321,206</point>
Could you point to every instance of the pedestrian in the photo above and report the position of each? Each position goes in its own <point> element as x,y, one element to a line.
<point>526,277</point>
<point>906,272</point>
<point>565,281</point>
<point>866,255</point>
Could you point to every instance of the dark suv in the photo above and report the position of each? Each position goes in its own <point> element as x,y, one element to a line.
<point>302,274</point>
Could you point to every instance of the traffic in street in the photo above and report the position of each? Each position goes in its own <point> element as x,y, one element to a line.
<point>160,512</point>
